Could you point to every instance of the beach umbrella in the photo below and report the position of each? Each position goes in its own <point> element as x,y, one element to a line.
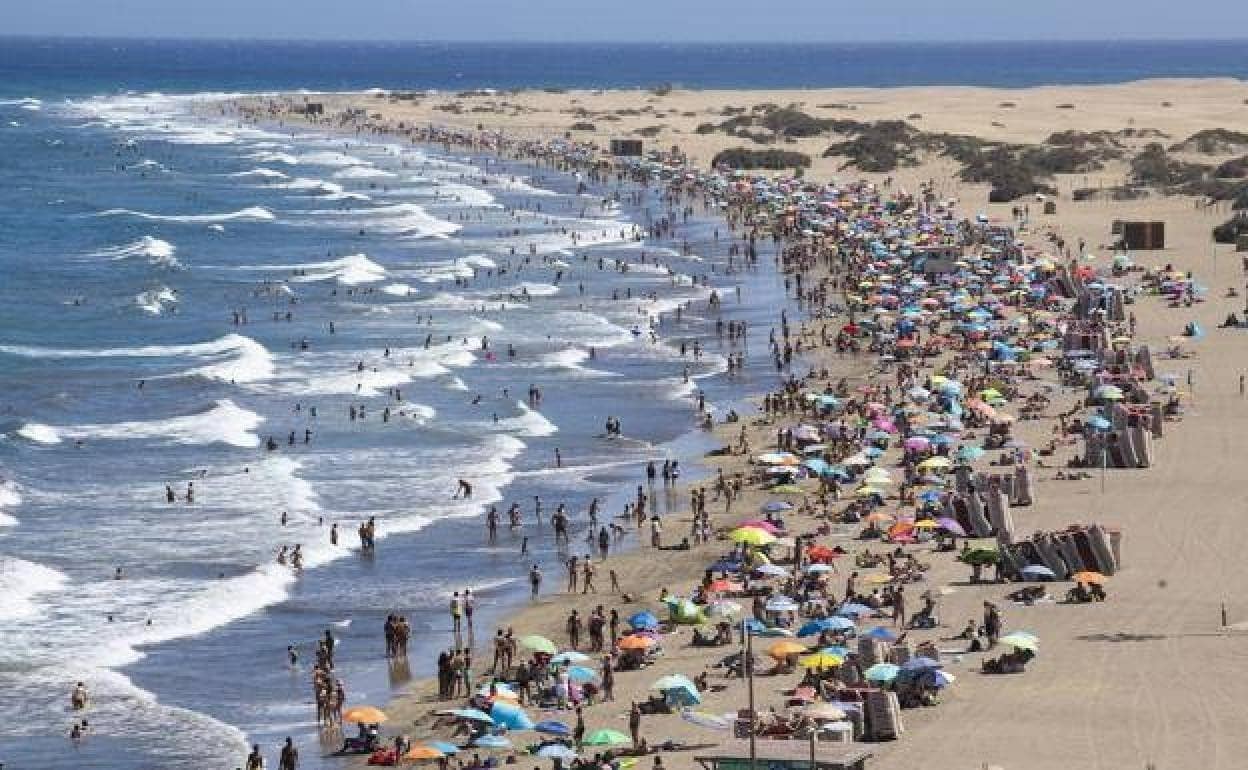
<point>762,524</point>
<point>721,585</point>
<point>781,604</point>
<point>942,678</point>
<point>644,619</point>
<point>636,642</point>
<point>776,506</point>
<point>772,631</point>
<point>365,715</point>
<point>1088,577</point>
<point>920,663</point>
<point>968,453</point>
<point>935,462</point>
<point>784,648</point>
<point>443,746</point>
<point>1099,423</point>
<point>882,672</point>
<point>557,751</point>
<point>751,536</point>
<point>1021,641</point>
<point>709,721</point>
<point>820,660</point>
<point>771,570</point>
<point>1108,393</point>
<point>582,674</point>
<point>852,609</point>
<point>421,753</point>
<point>472,715</point>
<point>818,568</point>
<point>498,691</point>
<point>777,458</point>
<point>674,682</point>
<point>538,644</point>
<point>951,526</point>
<point>607,738</point>
<point>492,742</point>
<point>723,609</point>
<point>570,656</point>
<point>839,650</point>
<point>552,727</point>
<point>835,623</point>
<point>510,716</point>
<point>1037,572</point>
<point>881,633</point>
<point>926,524</point>
<point>917,443</point>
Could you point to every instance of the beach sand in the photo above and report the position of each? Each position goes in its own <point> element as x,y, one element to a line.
<point>1149,676</point>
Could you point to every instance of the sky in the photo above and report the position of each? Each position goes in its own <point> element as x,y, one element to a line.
<point>630,20</point>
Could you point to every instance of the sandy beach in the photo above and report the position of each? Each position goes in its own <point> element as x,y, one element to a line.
<point>1144,679</point>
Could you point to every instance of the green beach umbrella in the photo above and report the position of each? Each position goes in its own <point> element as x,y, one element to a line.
<point>607,738</point>
<point>538,644</point>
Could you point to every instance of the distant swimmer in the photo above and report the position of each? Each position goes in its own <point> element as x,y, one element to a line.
<point>170,497</point>
<point>78,697</point>
<point>464,491</point>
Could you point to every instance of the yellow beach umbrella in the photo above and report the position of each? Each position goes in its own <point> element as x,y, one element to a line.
<point>820,660</point>
<point>751,536</point>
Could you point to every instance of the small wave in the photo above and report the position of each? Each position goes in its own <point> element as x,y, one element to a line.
<point>362,172</point>
<point>21,581</point>
<point>351,270</point>
<point>269,156</point>
<point>528,423</point>
<point>398,290</point>
<point>156,301</point>
<point>339,159</point>
<point>405,219</point>
<point>249,214</point>
<point>261,173</point>
<point>248,361</point>
<point>224,423</point>
<point>529,289</point>
<point>155,250</point>
<point>10,497</point>
<point>312,186</point>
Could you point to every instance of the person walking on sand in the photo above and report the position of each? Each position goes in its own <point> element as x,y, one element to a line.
<point>634,724</point>
<point>469,605</point>
<point>573,563</point>
<point>587,576</point>
<point>574,630</point>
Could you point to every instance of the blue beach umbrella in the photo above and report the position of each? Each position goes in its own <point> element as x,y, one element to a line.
<point>510,716</point>
<point>881,633</point>
<point>552,727</point>
<point>644,619</point>
<point>492,742</point>
<point>557,751</point>
<point>445,747</point>
<point>582,674</point>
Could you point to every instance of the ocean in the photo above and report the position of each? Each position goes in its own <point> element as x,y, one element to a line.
<point>167,284</point>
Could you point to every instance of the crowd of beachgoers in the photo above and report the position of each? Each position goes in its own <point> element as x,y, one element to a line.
<point>932,367</point>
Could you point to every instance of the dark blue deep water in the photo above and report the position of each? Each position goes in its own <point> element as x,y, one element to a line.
<point>72,66</point>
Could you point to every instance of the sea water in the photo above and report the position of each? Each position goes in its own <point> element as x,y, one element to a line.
<point>152,256</point>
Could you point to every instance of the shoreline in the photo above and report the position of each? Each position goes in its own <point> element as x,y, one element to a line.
<point>539,617</point>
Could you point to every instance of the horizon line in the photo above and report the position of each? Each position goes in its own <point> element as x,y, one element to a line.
<point>673,42</point>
